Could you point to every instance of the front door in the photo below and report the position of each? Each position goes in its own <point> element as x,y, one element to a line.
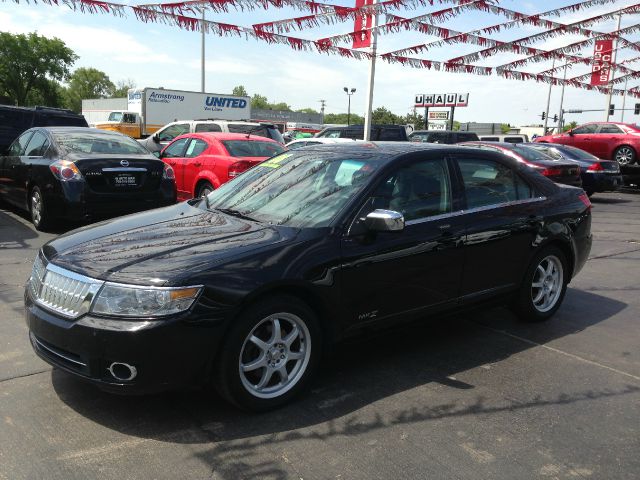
<point>389,273</point>
<point>174,156</point>
<point>193,164</point>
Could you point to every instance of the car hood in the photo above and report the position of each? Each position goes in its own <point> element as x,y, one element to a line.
<point>160,247</point>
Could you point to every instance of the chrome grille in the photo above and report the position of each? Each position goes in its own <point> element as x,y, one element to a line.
<point>62,291</point>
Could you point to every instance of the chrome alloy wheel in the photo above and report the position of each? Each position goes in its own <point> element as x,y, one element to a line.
<point>547,284</point>
<point>624,155</point>
<point>36,207</point>
<point>275,355</point>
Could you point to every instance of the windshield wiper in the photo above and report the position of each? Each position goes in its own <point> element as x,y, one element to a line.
<point>236,213</point>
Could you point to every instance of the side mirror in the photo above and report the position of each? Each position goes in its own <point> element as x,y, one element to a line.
<point>156,138</point>
<point>157,154</point>
<point>384,221</point>
<point>570,132</point>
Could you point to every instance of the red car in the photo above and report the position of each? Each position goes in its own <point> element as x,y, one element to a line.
<point>204,161</point>
<point>606,140</point>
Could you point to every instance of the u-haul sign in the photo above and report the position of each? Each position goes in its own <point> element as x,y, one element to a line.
<point>442,100</point>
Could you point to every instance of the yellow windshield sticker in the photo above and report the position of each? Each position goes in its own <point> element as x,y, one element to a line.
<point>275,161</point>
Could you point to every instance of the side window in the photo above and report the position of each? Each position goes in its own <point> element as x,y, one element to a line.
<point>609,128</point>
<point>490,139</point>
<point>37,145</point>
<point>129,118</point>
<point>195,148</point>
<point>390,134</point>
<point>467,137</point>
<point>354,134</point>
<point>523,189</point>
<point>487,182</point>
<point>590,128</point>
<point>18,146</point>
<point>176,149</point>
<point>208,127</point>
<point>173,131</point>
<point>419,190</point>
<point>438,137</point>
<point>513,139</point>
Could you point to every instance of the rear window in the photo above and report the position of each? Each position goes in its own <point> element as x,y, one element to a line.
<point>93,142</point>
<point>208,127</point>
<point>577,153</point>
<point>490,139</point>
<point>514,139</point>
<point>252,148</point>
<point>393,134</point>
<point>257,130</point>
<point>531,154</point>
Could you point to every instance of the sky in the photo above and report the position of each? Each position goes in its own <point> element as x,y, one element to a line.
<point>157,55</point>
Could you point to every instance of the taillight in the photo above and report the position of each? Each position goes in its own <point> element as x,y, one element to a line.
<point>238,167</point>
<point>551,172</point>
<point>168,172</point>
<point>596,167</point>
<point>65,170</point>
<point>584,198</point>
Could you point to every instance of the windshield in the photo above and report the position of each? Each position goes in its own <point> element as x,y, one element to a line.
<point>115,116</point>
<point>95,142</point>
<point>252,148</point>
<point>297,189</point>
<point>531,154</point>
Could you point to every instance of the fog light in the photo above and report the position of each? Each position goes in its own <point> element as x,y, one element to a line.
<point>122,371</point>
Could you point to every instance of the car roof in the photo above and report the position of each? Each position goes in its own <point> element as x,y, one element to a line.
<point>323,140</point>
<point>227,136</point>
<point>389,148</point>
<point>78,129</point>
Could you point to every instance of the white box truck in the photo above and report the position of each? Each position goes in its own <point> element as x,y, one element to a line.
<point>149,109</point>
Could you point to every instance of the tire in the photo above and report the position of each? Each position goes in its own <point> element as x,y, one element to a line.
<point>251,354</point>
<point>204,189</point>
<point>543,287</point>
<point>40,216</point>
<point>625,155</point>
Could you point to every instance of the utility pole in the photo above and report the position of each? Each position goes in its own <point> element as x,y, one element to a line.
<point>322,105</point>
<point>624,98</point>
<point>561,114</point>
<point>202,59</point>
<point>372,74</point>
<point>546,116</point>
<point>613,70</point>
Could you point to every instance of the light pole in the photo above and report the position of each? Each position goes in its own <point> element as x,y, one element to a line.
<point>349,93</point>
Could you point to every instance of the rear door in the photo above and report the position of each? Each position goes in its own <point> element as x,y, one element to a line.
<point>195,160</point>
<point>606,139</point>
<point>11,165</point>
<point>501,218</point>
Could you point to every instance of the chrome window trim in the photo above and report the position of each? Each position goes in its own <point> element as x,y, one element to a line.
<point>474,210</point>
<point>124,169</point>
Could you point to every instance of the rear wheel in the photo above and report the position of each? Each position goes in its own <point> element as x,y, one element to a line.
<point>543,287</point>
<point>269,355</point>
<point>204,189</point>
<point>39,212</point>
<point>624,155</point>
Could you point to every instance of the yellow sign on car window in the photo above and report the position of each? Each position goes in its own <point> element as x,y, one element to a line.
<point>275,161</point>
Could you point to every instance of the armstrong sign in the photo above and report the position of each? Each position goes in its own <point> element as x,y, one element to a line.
<point>442,100</point>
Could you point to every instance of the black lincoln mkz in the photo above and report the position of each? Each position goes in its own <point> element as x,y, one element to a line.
<point>245,287</point>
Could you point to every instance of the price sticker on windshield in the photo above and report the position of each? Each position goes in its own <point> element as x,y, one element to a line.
<point>275,161</point>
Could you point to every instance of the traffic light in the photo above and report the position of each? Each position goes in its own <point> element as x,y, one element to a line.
<point>543,115</point>
<point>612,109</point>
<point>555,118</point>
<point>636,110</point>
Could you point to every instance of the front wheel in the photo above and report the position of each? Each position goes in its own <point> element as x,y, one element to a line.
<point>269,355</point>
<point>624,155</point>
<point>543,287</point>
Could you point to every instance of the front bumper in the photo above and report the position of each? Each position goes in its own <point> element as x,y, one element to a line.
<point>168,353</point>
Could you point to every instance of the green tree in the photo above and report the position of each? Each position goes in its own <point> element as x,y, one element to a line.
<point>122,88</point>
<point>49,93</point>
<point>29,62</point>
<point>341,118</point>
<point>505,127</point>
<point>383,116</point>
<point>570,126</point>
<point>279,106</point>
<point>87,83</point>
<point>260,102</point>
<point>307,110</point>
<point>240,91</point>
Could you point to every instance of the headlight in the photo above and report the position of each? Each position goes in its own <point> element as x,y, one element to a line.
<point>132,301</point>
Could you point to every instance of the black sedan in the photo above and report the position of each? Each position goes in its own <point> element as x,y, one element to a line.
<point>82,174</point>
<point>245,287</point>
<point>597,175</point>
<point>566,172</point>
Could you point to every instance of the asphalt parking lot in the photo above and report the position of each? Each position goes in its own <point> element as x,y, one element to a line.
<point>475,396</point>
